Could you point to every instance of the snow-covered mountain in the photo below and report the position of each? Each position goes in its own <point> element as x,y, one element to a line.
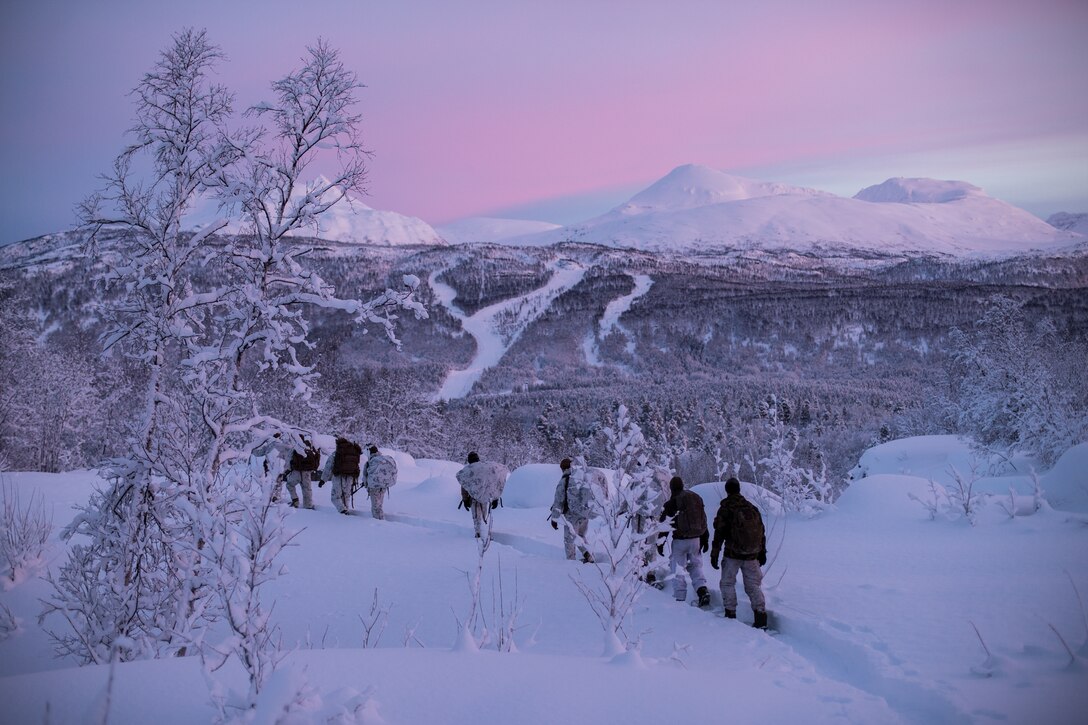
<point>485,230</point>
<point>1077,223</point>
<point>350,222</point>
<point>695,208</point>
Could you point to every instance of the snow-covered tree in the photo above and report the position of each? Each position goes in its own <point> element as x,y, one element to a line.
<point>133,580</point>
<point>205,339</point>
<point>627,532</point>
<point>246,532</point>
<point>775,466</point>
<point>259,323</point>
<point>1018,386</point>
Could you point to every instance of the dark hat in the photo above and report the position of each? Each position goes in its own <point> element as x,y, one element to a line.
<point>373,450</point>
<point>564,464</point>
<point>473,457</point>
<point>676,484</point>
<point>732,486</point>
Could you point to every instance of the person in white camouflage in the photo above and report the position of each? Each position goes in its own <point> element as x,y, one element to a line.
<point>482,485</point>
<point>342,469</point>
<point>300,467</point>
<point>379,475</point>
<point>573,505</point>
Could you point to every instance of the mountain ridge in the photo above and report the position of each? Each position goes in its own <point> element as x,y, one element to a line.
<point>696,208</point>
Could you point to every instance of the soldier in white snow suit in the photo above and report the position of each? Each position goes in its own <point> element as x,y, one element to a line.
<point>690,539</point>
<point>300,468</point>
<point>482,485</point>
<point>573,505</point>
<point>268,457</point>
<point>379,474</point>
<point>342,468</point>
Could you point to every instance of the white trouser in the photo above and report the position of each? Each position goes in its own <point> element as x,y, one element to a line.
<point>294,478</point>
<point>574,532</point>
<point>377,503</point>
<point>686,555</point>
<point>341,492</point>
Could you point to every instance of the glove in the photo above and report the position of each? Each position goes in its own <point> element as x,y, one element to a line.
<point>762,558</point>
<point>713,562</point>
<point>494,504</point>
<point>661,549</point>
<point>704,545</point>
<point>320,484</point>
<point>555,524</point>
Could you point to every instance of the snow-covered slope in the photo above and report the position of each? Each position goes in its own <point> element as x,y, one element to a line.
<point>883,616</point>
<point>350,221</point>
<point>1065,221</point>
<point>490,229</point>
<point>695,208</point>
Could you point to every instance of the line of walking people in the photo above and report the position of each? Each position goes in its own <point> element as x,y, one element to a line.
<point>345,469</point>
<point>739,545</point>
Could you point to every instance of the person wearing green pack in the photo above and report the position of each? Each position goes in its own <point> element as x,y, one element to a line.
<point>738,530</point>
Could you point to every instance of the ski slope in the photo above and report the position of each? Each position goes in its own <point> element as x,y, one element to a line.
<point>610,320</point>
<point>876,605</point>
<point>497,327</point>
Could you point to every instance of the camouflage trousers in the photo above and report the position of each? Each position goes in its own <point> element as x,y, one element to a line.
<point>753,578</point>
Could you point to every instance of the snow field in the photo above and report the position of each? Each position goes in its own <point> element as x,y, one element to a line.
<point>876,606</point>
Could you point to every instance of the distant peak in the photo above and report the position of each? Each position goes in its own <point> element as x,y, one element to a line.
<point>694,185</point>
<point>902,190</point>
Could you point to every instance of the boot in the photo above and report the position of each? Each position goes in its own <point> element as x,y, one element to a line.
<point>587,558</point>
<point>760,620</point>
<point>294,503</point>
<point>730,613</point>
<point>651,578</point>
<point>704,596</point>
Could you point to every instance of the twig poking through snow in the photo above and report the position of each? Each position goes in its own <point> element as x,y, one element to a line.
<point>1068,649</point>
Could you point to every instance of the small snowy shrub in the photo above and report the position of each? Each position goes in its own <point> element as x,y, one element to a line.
<point>25,534</point>
<point>937,501</point>
<point>624,546</point>
<point>242,541</point>
<point>375,622</point>
<point>963,499</point>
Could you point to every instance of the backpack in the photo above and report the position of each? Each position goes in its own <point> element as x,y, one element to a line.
<point>690,516</point>
<point>381,473</point>
<point>745,530</point>
<point>483,481</point>
<point>308,461</point>
<point>347,456</point>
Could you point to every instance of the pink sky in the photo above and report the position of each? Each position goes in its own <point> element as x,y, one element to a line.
<point>560,109</point>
